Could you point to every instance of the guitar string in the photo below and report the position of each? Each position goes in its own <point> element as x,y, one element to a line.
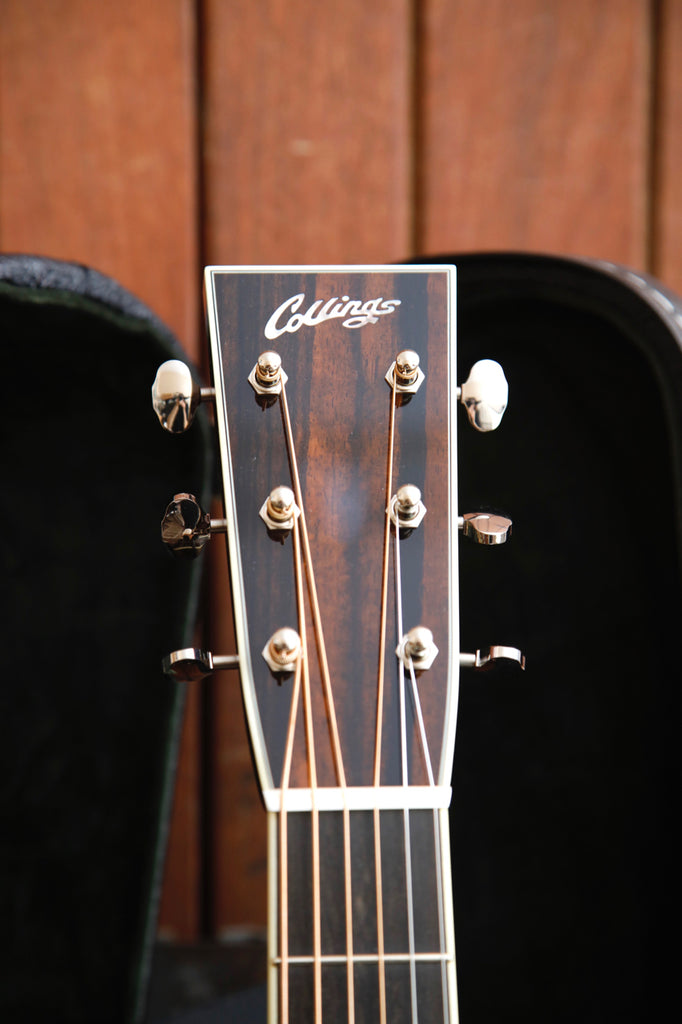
<point>284,851</point>
<point>331,714</point>
<point>380,710</point>
<point>409,894</point>
<point>436,840</point>
<point>312,782</point>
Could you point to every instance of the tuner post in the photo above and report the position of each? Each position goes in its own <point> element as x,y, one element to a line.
<point>267,377</point>
<point>279,511</point>
<point>417,649</point>
<point>283,650</point>
<point>405,374</point>
<point>406,508</point>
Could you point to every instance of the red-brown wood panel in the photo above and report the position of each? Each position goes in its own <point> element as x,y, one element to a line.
<point>99,143</point>
<point>534,126</point>
<point>667,194</point>
<point>307,159</point>
<point>98,165</point>
<point>307,146</point>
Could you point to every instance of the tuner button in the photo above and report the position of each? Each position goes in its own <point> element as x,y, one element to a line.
<point>407,509</point>
<point>487,660</point>
<point>484,395</point>
<point>190,664</point>
<point>283,650</point>
<point>175,396</point>
<point>485,528</point>
<point>185,527</point>
<point>417,648</point>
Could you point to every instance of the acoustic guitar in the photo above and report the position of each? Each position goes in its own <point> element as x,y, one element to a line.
<point>336,411</point>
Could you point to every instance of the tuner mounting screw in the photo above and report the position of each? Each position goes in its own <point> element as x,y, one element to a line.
<point>484,395</point>
<point>283,650</point>
<point>417,648</point>
<point>279,511</point>
<point>485,528</point>
<point>407,509</point>
<point>404,374</point>
<point>267,376</point>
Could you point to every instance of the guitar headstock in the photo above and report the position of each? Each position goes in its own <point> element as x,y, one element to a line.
<point>335,397</point>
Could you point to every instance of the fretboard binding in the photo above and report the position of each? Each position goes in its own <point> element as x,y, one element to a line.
<point>370,958</point>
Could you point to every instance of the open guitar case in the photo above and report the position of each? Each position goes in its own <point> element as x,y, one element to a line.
<point>565,776</point>
<point>91,602</point>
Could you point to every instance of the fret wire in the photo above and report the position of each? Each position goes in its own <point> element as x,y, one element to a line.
<point>372,958</point>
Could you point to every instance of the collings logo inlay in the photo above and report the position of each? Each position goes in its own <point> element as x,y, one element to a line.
<point>356,313</point>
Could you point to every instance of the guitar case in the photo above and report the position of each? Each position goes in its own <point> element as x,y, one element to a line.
<point>89,724</point>
<point>566,776</point>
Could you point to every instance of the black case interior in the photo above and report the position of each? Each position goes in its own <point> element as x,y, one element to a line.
<point>92,601</point>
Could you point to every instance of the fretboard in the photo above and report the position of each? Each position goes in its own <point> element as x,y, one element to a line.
<point>386,873</point>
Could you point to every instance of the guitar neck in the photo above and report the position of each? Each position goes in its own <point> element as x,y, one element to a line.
<point>361,916</point>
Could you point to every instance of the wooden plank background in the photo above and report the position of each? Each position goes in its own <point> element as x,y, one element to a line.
<point>147,139</point>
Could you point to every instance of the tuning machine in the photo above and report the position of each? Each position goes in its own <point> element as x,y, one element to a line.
<point>190,664</point>
<point>484,395</point>
<point>186,528</point>
<point>485,660</point>
<point>485,527</point>
<point>176,396</point>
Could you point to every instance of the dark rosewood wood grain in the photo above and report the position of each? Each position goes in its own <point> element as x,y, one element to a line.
<point>339,405</point>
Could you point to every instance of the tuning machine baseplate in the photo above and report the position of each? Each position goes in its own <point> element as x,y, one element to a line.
<point>186,528</point>
<point>176,396</point>
<point>484,395</point>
